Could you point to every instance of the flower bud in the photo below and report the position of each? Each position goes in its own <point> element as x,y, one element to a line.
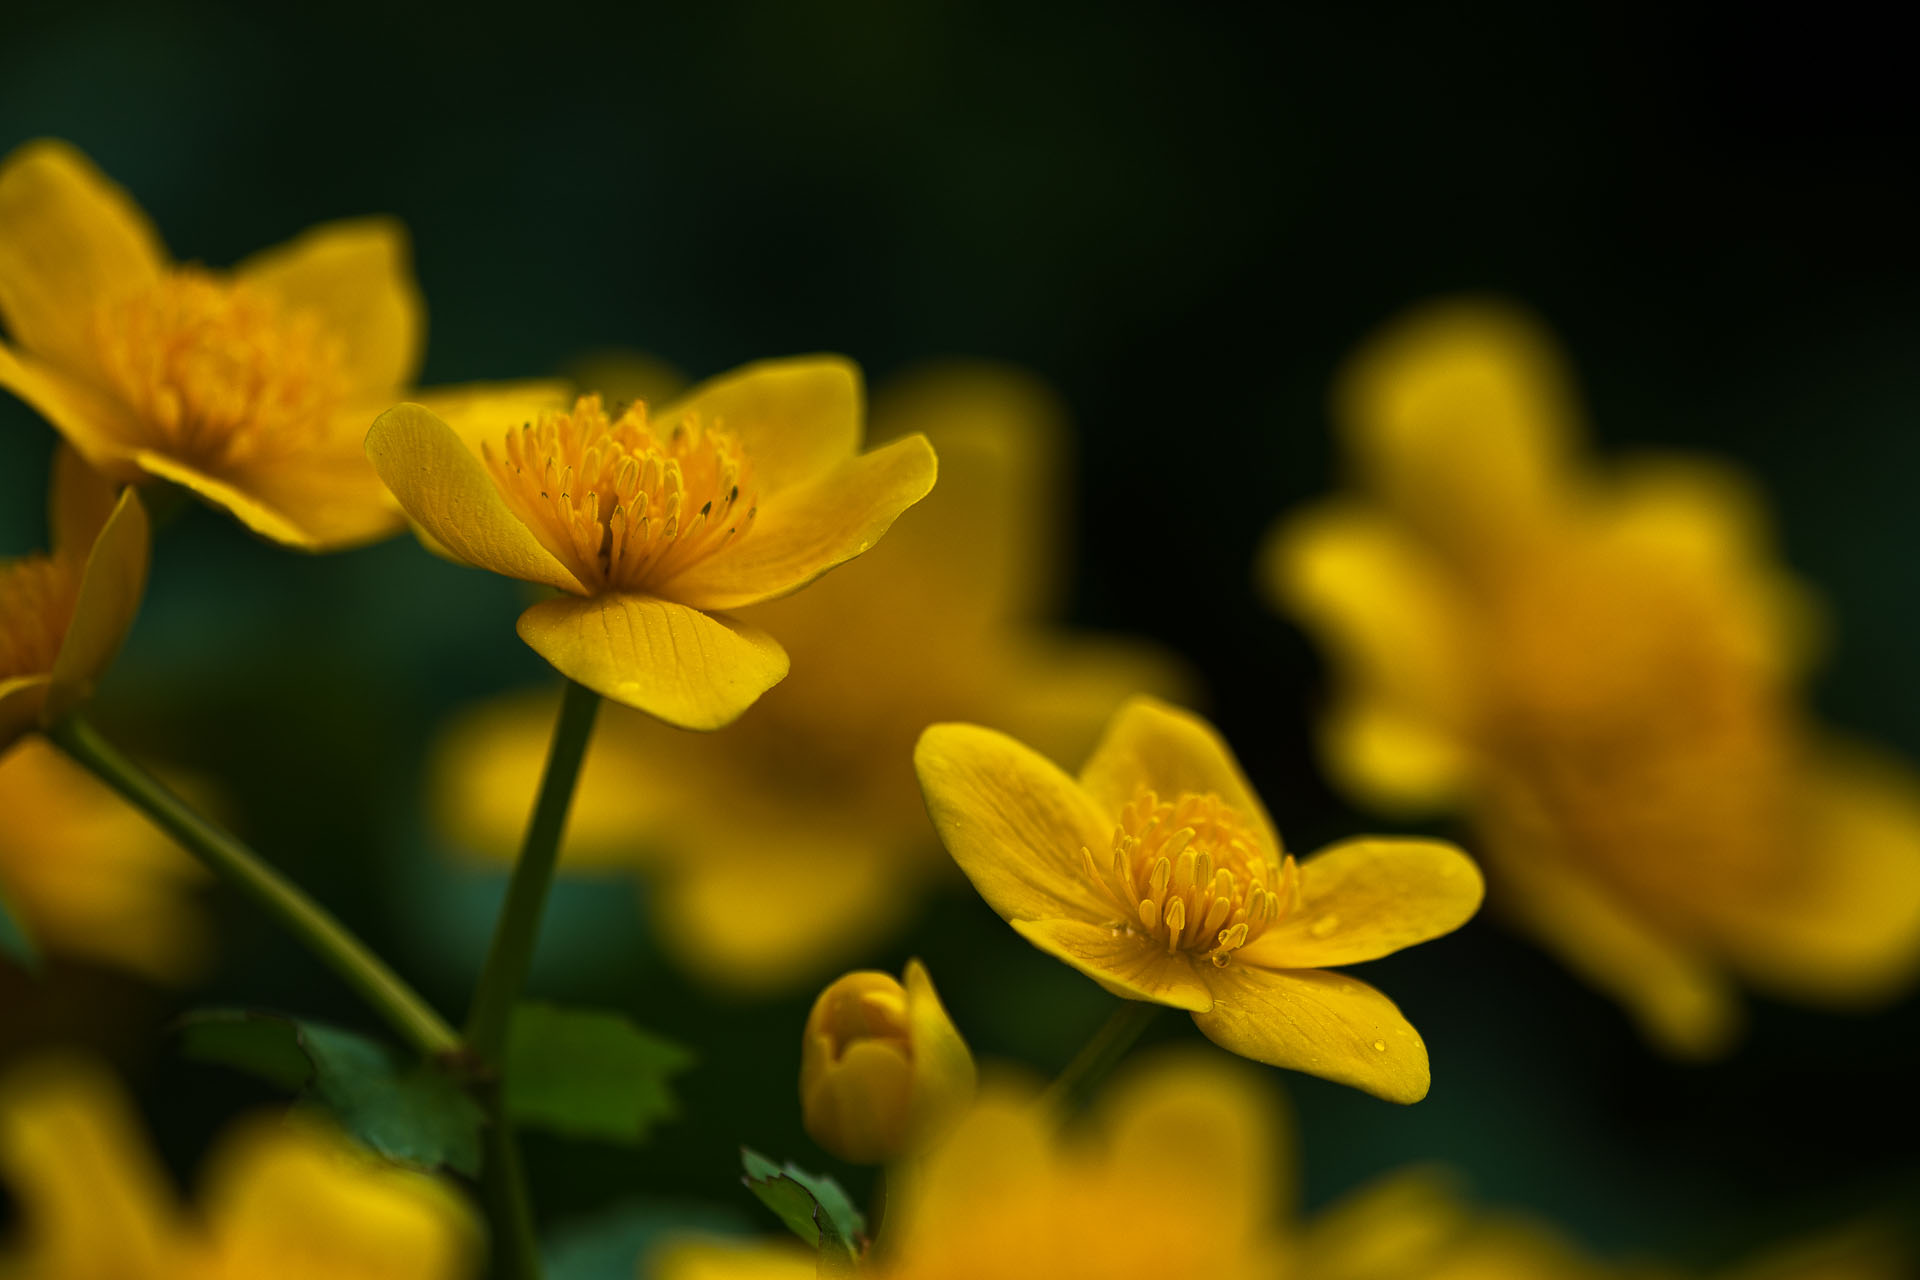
<point>882,1069</point>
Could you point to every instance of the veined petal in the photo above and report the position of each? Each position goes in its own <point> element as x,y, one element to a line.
<point>796,418</point>
<point>95,424</point>
<point>1150,744</point>
<point>1130,965</point>
<point>81,502</point>
<point>70,240</point>
<point>487,411</point>
<point>688,668</point>
<point>1367,898</point>
<point>1325,1024</point>
<point>22,700</point>
<point>804,531</point>
<point>110,591</point>
<point>267,521</point>
<point>1014,821</point>
<point>355,276</point>
<point>444,487</point>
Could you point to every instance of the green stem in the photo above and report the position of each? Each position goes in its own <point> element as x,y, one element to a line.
<point>1101,1053</point>
<point>511,954</point>
<point>503,1184</point>
<point>404,1010</point>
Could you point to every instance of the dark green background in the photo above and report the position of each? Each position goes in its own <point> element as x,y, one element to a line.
<point>1182,217</point>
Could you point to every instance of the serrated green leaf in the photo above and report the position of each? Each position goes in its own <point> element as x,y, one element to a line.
<point>813,1207</point>
<point>407,1111</point>
<point>589,1073</point>
<point>614,1244</point>
<point>15,943</point>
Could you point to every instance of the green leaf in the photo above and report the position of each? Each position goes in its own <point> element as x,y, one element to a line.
<point>588,1073</point>
<point>15,943</point>
<point>812,1206</point>
<point>407,1111</point>
<point>613,1244</point>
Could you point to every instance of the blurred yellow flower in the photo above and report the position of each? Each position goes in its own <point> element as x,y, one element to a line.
<point>649,524</point>
<point>1600,669</point>
<point>798,839</point>
<point>883,1071</point>
<point>87,876</point>
<point>252,388</point>
<point>64,615</point>
<point>1191,900</point>
<point>284,1199</point>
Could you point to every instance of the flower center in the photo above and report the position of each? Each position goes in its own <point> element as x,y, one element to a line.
<point>37,595</point>
<point>1191,873</point>
<point>220,371</point>
<point>622,502</point>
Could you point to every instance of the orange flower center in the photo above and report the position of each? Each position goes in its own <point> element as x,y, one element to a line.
<point>221,373</point>
<point>1191,873</point>
<point>620,501</point>
<point>37,595</point>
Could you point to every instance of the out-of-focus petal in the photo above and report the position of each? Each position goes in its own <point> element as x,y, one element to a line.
<point>110,589</point>
<point>98,425</point>
<point>355,276</point>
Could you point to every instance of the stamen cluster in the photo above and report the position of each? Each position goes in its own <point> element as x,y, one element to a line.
<point>1192,873</point>
<point>621,502</point>
<point>220,371</point>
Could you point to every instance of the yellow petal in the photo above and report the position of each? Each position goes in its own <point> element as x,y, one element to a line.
<point>796,418</point>
<point>1461,418</point>
<point>802,532</point>
<point>1013,821</point>
<point>1403,1224</point>
<point>92,1199</point>
<point>944,1076</point>
<point>1130,965</point>
<point>1201,1130</point>
<point>81,501</point>
<point>95,424</point>
<point>297,1202</point>
<point>110,591</point>
<point>732,1260</point>
<point>244,505</point>
<point>444,487</point>
<point>1325,1024</point>
<point>23,699</point>
<point>860,1107</point>
<point>332,496</point>
<point>487,411</point>
<point>691,669</point>
<point>1367,898</point>
<point>70,240</point>
<point>1150,744</point>
<point>356,277</point>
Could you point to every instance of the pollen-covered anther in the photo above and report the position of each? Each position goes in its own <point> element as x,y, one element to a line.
<point>1192,873</point>
<point>221,373</point>
<point>624,502</point>
<point>37,596</point>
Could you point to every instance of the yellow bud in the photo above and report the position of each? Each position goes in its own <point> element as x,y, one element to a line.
<point>882,1069</point>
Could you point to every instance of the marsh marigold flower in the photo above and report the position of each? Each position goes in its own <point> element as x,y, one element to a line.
<point>63,615</point>
<point>798,839</point>
<point>253,387</point>
<point>883,1071</point>
<point>89,877</point>
<point>1601,668</point>
<point>291,1199</point>
<point>651,523</point>
<point>1158,874</point>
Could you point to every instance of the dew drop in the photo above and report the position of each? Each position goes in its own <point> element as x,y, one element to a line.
<point>1380,1045</point>
<point>1323,926</point>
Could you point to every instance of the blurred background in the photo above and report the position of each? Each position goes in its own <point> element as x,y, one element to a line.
<point>1182,218</point>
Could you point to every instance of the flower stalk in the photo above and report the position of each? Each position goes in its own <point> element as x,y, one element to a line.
<point>385,992</point>
<point>1101,1053</point>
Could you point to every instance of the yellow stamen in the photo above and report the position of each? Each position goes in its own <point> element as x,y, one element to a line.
<point>621,504</point>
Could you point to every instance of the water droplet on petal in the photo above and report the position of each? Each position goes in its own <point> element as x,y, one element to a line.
<point>1380,1045</point>
<point>1323,926</point>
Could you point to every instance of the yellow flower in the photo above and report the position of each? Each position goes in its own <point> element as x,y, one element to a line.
<point>63,615</point>
<point>252,388</point>
<point>883,1070</point>
<point>288,1199</point>
<point>89,877</point>
<point>1159,875</point>
<point>649,524</point>
<point>1600,668</point>
<point>797,840</point>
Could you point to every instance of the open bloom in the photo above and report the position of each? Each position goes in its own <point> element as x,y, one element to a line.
<point>883,1070</point>
<point>796,841</point>
<point>252,387</point>
<point>287,1199</point>
<point>1601,669</point>
<point>87,876</point>
<point>651,523</point>
<point>64,615</point>
<point>1159,875</point>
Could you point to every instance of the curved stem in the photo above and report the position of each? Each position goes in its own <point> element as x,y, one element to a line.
<point>511,954</point>
<point>1101,1053</point>
<point>316,928</point>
